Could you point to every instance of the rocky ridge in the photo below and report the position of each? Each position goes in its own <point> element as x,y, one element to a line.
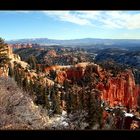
<point>17,108</point>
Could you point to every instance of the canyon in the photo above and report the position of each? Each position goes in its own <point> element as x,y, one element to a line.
<point>120,90</point>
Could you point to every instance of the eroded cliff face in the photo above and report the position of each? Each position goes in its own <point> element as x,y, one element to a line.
<point>71,73</point>
<point>120,90</point>
<point>13,58</point>
<point>4,71</point>
<point>115,90</point>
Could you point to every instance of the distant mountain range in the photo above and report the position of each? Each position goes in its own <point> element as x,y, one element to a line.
<point>90,42</point>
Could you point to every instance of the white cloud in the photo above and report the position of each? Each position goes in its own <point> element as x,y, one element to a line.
<point>68,16</point>
<point>123,19</point>
<point>88,14</point>
<point>110,19</point>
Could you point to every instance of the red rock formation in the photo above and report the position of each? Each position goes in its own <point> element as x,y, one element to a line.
<point>61,77</point>
<point>20,45</point>
<point>120,90</point>
<point>54,68</point>
<point>52,53</point>
<point>74,73</point>
<point>70,73</point>
<point>82,65</point>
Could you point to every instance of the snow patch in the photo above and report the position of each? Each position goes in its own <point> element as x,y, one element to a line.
<point>128,114</point>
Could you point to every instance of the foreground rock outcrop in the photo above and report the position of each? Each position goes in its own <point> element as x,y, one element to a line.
<point>17,108</point>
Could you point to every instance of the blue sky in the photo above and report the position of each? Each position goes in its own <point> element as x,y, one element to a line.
<point>70,24</point>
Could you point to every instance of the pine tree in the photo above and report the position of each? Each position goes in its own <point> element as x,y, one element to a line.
<point>25,84</point>
<point>44,97</point>
<point>32,62</point>
<point>38,68</point>
<point>39,94</point>
<point>75,105</point>
<point>16,74</point>
<point>3,53</point>
<point>81,99</point>
<point>11,71</point>
<point>56,103</point>
<point>66,85</point>
<point>31,87</point>
<point>47,104</point>
<point>68,99</point>
<point>52,74</point>
<point>94,108</point>
<point>91,119</point>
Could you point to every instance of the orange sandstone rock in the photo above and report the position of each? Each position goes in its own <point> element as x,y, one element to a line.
<point>120,90</point>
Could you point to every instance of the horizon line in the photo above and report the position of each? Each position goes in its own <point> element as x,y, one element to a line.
<point>73,39</point>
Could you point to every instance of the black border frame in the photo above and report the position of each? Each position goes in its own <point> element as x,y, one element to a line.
<point>70,5</point>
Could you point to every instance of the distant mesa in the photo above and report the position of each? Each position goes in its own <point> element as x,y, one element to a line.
<point>78,42</point>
